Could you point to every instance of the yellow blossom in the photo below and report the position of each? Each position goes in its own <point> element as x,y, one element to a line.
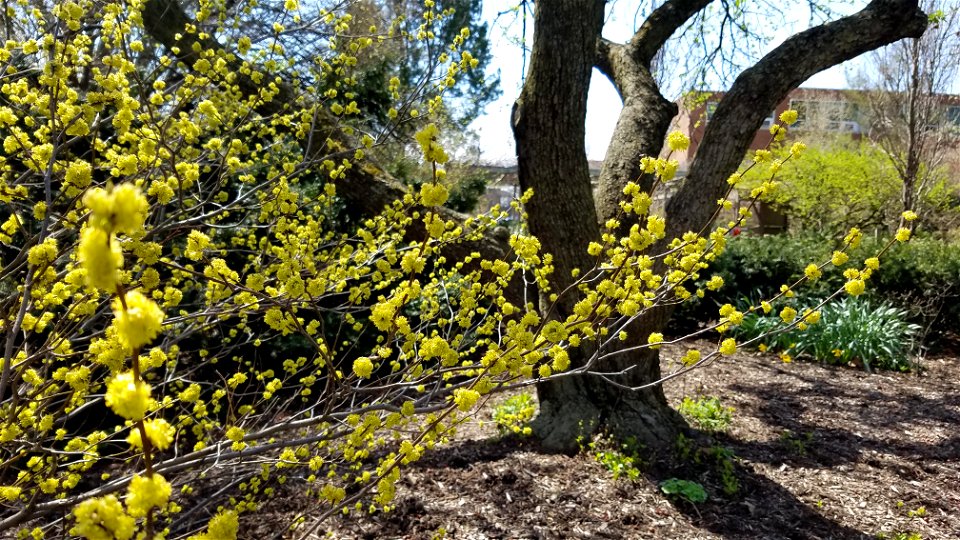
<point>678,141</point>
<point>363,367</point>
<point>159,432</point>
<point>123,209</point>
<point>101,257</point>
<point>102,518</point>
<point>128,397</point>
<point>433,194</point>
<point>428,139</point>
<point>789,117</point>
<point>138,319</point>
<point>465,399</point>
<point>855,287</point>
<point>146,493</point>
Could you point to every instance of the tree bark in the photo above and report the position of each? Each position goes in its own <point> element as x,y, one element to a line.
<point>548,126</point>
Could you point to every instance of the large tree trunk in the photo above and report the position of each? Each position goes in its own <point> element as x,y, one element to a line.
<point>549,128</point>
<point>548,125</point>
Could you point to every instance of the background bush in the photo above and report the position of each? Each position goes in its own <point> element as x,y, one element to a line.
<point>920,277</point>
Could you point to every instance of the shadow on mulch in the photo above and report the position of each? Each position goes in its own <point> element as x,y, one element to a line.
<point>761,509</point>
<point>818,452</point>
<point>783,406</point>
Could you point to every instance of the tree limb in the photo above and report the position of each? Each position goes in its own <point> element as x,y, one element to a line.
<point>760,88</point>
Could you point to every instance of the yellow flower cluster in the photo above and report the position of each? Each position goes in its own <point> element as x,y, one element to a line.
<point>128,397</point>
<point>137,319</point>
<point>428,138</point>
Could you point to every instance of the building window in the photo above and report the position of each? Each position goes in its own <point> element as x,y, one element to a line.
<point>768,122</point>
<point>827,115</point>
<point>953,115</point>
<point>711,108</point>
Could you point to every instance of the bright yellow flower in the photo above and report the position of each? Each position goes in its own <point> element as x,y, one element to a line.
<point>789,117</point>
<point>465,398</point>
<point>855,287</point>
<point>146,493</point>
<point>363,367</point>
<point>678,141</point>
<point>159,432</point>
<point>101,257</point>
<point>127,397</point>
<point>102,518</point>
<point>433,194</point>
<point>122,210</point>
<point>139,321</point>
<point>428,139</point>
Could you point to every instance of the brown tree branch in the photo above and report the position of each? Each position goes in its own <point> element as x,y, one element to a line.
<point>660,25</point>
<point>760,88</point>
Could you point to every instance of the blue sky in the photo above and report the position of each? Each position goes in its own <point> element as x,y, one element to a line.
<point>603,104</point>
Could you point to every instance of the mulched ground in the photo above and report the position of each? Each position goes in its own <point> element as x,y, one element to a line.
<point>821,452</point>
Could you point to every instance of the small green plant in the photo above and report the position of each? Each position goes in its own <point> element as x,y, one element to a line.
<point>684,489</point>
<point>513,415</point>
<point>723,458</point>
<point>707,412</point>
<point>920,512</point>
<point>797,443</point>
<point>725,461</point>
<point>906,535</point>
<point>620,459</point>
<point>685,447</point>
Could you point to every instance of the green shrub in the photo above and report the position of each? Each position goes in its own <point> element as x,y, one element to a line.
<point>852,330</point>
<point>921,277</point>
<point>512,415</point>
<point>708,412</point>
<point>621,459</point>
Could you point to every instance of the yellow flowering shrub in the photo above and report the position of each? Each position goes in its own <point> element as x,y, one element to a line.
<point>184,285</point>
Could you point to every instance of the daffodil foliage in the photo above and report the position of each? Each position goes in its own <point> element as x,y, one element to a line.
<point>183,314</point>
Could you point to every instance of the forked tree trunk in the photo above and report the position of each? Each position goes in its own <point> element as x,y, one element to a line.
<point>548,124</point>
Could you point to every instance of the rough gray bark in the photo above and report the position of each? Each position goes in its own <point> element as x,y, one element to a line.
<point>646,113</point>
<point>548,125</point>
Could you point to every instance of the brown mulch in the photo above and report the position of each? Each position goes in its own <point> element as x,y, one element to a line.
<point>821,452</point>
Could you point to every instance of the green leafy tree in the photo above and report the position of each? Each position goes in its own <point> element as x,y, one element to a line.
<point>838,186</point>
